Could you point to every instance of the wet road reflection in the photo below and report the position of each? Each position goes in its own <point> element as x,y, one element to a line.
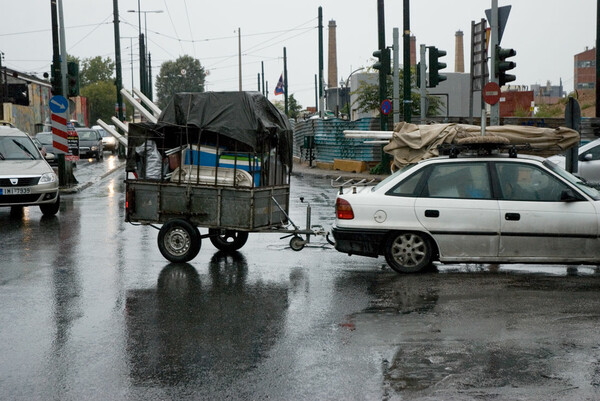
<point>187,330</point>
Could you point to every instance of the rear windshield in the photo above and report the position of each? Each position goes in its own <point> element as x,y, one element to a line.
<point>18,148</point>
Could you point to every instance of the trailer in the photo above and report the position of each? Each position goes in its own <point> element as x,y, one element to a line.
<point>216,160</point>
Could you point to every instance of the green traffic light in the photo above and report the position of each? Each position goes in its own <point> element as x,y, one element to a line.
<point>435,65</point>
<point>502,65</point>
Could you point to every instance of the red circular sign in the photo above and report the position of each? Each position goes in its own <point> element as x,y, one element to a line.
<point>491,93</point>
<point>386,106</point>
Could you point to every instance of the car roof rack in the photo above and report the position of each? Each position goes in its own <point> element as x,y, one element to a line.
<point>482,146</point>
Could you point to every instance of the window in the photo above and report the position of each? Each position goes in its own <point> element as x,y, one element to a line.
<point>595,152</point>
<point>459,180</point>
<point>408,186</point>
<point>528,183</point>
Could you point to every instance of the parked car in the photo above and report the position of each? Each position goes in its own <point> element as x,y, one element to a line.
<point>45,138</point>
<point>90,143</point>
<point>26,179</point>
<point>479,209</point>
<point>109,142</point>
<point>588,167</point>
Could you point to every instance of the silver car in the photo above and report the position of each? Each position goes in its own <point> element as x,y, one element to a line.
<point>26,178</point>
<point>589,162</point>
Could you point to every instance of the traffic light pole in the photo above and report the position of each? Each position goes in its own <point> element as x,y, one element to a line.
<point>406,50</point>
<point>63,49</point>
<point>423,92</point>
<point>495,109</point>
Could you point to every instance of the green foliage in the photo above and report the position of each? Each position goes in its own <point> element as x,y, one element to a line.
<point>549,111</point>
<point>95,69</point>
<point>101,98</point>
<point>185,74</point>
<point>294,107</point>
<point>368,96</point>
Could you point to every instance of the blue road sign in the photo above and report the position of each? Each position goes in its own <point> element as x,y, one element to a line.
<point>386,106</point>
<point>59,104</point>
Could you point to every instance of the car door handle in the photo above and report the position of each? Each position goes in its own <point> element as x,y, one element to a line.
<point>432,213</point>
<point>512,216</point>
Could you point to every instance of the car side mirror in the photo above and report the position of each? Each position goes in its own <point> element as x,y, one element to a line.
<point>586,157</point>
<point>568,195</point>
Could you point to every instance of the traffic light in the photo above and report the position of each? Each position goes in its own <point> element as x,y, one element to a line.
<point>501,65</point>
<point>383,63</point>
<point>72,79</point>
<point>435,65</point>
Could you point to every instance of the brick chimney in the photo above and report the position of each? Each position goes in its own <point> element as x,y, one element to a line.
<point>459,54</point>
<point>332,71</point>
<point>413,51</point>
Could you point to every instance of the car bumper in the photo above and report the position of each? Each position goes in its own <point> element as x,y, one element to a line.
<point>359,241</point>
<point>44,193</point>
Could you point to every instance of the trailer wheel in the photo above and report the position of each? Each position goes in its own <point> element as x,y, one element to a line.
<point>179,241</point>
<point>297,243</point>
<point>227,240</point>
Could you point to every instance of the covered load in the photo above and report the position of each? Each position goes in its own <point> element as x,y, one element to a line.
<point>411,143</point>
<point>217,130</point>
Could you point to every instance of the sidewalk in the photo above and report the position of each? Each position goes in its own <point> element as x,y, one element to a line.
<point>90,179</point>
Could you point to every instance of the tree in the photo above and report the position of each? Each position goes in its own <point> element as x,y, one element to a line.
<point>101,98</point>
<point>185,74</point>
<point>95,69</point>
<point>294,107</point>
<point>368,96</point>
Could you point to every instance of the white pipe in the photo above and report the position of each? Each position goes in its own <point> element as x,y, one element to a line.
<point>376,142</point>
<point>368,134</point>
<point>124,127</point>
<point>155,110</point>
<point>138,106</point>
<point>114,133</point>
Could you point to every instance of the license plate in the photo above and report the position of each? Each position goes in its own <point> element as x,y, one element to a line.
<point>15,191</point>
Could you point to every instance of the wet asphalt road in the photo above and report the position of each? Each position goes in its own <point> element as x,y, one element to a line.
<point>89,309</point>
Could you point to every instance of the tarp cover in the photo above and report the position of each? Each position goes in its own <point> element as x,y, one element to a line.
<point>411,143</point>
<point>247,117</point>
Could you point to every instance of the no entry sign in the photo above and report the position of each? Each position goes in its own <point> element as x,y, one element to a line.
<point>491,93</point>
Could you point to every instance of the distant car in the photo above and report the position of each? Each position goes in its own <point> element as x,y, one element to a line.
<point>588,167</point>
<point>108,141</point>
<point>26,179</point>
<point>90,143</point>
<point>45,138</point>
<point>472,209</point>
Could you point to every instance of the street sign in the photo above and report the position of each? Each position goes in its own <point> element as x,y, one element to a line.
<point>73,143</point>
<point>503,13</point>
<point>59,132</point>
<point>59,104</point>
<point>491,93</point>
<point>386,107</point>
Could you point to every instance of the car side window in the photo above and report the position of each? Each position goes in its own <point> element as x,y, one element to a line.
<point>528,183</point>
<point>408,186</point>
<point>459,180</point>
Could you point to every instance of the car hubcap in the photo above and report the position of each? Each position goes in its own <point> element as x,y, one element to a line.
<point>408,250</point>
<point>177,241</point>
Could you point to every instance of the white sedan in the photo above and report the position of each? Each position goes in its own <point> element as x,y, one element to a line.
<point>478,209</point>
<point>588,167</point>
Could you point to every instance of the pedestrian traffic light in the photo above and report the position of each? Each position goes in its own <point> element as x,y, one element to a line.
<point>383,63</point>
<point>435,65</point>
<point>72,79</point>
<point>502,65</point>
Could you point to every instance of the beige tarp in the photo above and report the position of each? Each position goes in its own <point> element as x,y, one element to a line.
<point>411,143</point>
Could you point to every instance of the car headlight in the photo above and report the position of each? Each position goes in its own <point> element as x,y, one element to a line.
<point>47,178</point>
<point>94,148</point>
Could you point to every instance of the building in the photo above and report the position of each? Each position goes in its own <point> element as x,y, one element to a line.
<point>585,69</point>
<point>548,94</point>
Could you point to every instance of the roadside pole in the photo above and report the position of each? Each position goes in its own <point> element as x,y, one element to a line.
<point>495,110</point>
<point>422,70</point>
<point>573,121</point>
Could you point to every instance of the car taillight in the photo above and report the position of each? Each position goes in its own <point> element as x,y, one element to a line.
<point>130,201</point>
<point>343,209</point>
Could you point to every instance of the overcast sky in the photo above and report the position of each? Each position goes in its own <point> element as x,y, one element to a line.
<point>545,33</point>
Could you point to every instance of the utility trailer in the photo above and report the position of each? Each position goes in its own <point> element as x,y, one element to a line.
<point>217,160</point>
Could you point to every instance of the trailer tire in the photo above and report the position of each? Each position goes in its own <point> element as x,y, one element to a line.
<point>227,240</point>
<point>179,241</point>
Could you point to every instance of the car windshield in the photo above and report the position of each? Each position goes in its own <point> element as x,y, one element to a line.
<point>18,148</point>
<point>394,175</point>
<point>86,135</point>
<point>591,192</point>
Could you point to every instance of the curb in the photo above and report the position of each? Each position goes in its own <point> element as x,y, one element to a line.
<point>81,187</point>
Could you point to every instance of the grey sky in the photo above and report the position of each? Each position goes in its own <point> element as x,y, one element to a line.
<point>545,33</point>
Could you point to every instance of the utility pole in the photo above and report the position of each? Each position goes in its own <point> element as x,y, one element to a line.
<point>119,80</point>
<point>422,71</point>
<point>396,80</point>
<point>321,98</point>
<point>406,48</point>
<point>262,68</point>
<point>285,82</point>
<point>240,58</point>
<point>63,50</point>
<point>597,59</point>
<point>56,74</point>
<point>383,70</point>
<point>495,109</point>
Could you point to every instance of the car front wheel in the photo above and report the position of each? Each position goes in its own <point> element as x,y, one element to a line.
<point>408,252</point>
<point>50,209</point>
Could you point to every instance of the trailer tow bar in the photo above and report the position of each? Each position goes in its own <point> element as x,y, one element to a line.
<point>297,243</point>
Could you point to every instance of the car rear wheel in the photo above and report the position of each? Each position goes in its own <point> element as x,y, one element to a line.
<point>50,209</point>
<point>408,252</point>
<point>179,241</point>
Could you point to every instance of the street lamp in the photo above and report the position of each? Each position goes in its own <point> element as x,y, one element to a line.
<point>143,46</point>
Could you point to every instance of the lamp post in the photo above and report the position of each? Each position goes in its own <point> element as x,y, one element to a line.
<point>143,47</point>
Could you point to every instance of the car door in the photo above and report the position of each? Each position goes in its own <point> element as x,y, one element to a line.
<point>457,207</point>
<point>589,164</point>
<point>536,225</point>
